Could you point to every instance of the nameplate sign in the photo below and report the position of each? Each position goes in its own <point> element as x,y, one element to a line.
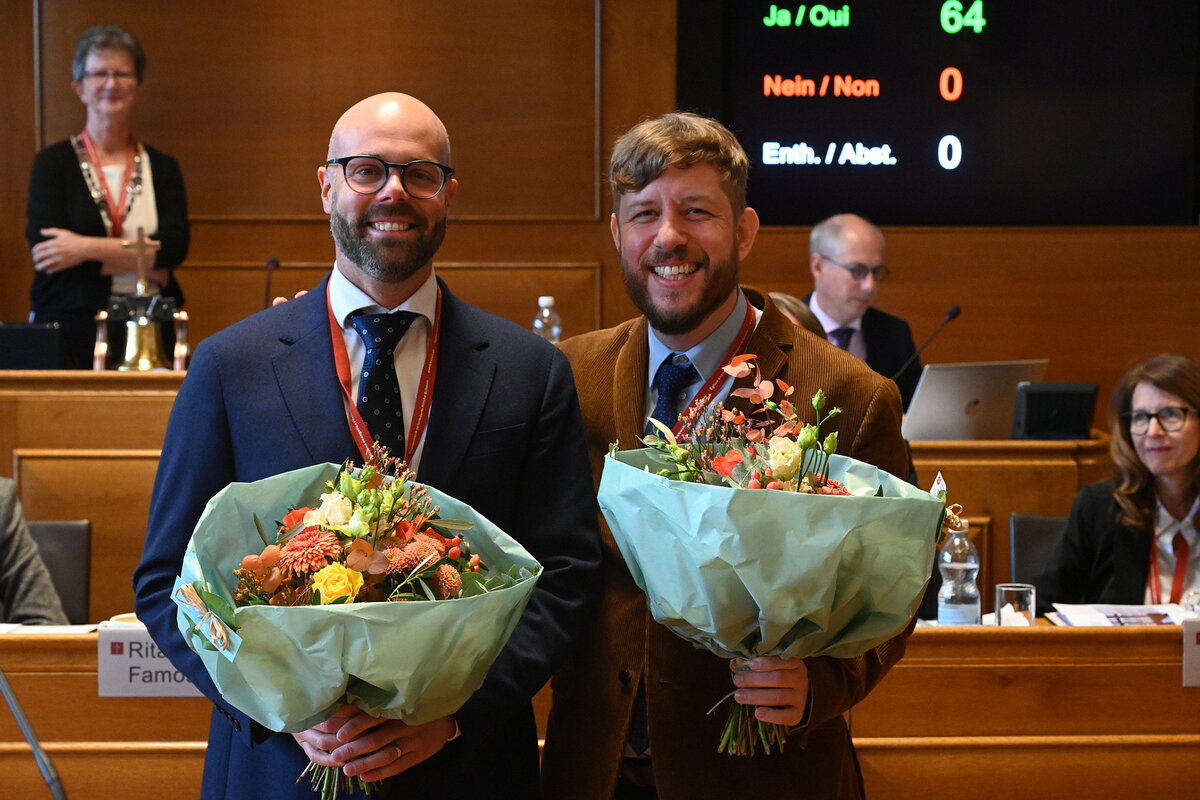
<point>130,664</point>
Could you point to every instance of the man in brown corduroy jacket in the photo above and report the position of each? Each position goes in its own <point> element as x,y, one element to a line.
<point>681,226</point>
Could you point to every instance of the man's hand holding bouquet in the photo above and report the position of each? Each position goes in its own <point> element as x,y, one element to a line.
<point>754,540</point>
<point>361,622</point>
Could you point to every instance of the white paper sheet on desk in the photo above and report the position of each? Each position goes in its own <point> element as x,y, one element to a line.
<point>1096,615</point>
<point>48,630</point>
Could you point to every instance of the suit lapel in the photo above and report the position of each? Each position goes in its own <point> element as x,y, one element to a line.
<point>307,379</point>
<point>629,387</point>
<point>464,380</point>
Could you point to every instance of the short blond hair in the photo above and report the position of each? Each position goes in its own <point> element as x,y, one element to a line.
<point>679,139</point>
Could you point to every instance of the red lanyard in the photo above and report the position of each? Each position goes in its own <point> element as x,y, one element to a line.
<point>704,396</point>
<point>116,211</point>
<point>420,414</point>
<point>1177,580</point>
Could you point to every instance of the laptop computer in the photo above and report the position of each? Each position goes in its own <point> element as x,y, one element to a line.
<point>955,402</point>
<point>30,345</point>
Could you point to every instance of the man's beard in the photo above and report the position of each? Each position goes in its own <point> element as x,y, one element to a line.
<point>721,282</point>
<point>388,263</point>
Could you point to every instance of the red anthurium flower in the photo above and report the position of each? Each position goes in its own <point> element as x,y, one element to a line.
<point>724,464</point>
<point>294,518</point>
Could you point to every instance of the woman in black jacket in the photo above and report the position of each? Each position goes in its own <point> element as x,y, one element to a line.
<point>90,193</point>
<point>1133,539</point>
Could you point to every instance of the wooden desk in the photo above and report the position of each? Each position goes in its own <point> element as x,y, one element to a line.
<point>1047,712</point>
<point>101,746</point>
<point>85,445</point>
<point>1093,713</point>
<point>994,479</point>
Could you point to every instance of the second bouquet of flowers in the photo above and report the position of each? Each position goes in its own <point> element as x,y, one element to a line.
<point>752,538</point>
<point>372,589</point>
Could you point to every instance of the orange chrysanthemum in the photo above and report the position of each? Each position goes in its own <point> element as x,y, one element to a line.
<point>447,583</point>
<point>399,560</point>
<point>309,551</point>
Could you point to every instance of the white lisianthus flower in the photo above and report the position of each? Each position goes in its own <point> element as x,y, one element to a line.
<point>335,510</point>
<point>783,455</point>
<point>359,526</point>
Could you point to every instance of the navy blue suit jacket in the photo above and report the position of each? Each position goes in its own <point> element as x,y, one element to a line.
<point>262,397</point>
<point>889,344</point>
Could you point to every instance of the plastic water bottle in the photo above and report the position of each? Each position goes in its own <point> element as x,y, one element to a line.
<point>958,599</point>
<point>547,324</point>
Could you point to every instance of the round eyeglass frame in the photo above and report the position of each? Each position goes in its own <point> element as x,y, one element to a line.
<point>1139,421</point>
<point>860,271</point>
<point>388,166</point>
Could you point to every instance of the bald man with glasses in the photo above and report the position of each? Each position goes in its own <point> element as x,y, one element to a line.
<point>846,258</point>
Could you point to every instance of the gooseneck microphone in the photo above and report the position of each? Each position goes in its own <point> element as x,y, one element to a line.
<point>951,312</point>
<point>272,265</point>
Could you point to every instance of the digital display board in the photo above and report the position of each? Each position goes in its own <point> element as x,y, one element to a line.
<point>954,112</point>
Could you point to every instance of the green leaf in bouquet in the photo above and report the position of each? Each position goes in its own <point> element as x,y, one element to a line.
<point>444,526</point>
<point>218,605</point>
<point>262,534</point>
<point>473,583</point>
<point>200,640</point>
<point>428,592</point>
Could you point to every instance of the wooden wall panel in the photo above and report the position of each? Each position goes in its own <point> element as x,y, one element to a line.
<point>109,487</point>
<point>533,94</point>
<point>245,94</point>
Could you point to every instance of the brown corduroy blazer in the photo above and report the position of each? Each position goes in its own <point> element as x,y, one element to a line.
<point>594,695</point>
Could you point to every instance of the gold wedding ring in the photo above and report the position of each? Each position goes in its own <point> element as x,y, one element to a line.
<point>398,749</point>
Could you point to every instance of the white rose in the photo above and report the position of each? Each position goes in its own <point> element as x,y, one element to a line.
<point>783,456</point>
<point>335,510</point>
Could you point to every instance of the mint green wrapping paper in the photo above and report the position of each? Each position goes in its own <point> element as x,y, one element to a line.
<point>751,572</point>
<point>415,661</point>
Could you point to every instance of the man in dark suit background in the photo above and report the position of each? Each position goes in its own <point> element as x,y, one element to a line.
<point>277,391</point>
<point>846,258</point>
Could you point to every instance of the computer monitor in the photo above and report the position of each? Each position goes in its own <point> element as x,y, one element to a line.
<point>30,345</point>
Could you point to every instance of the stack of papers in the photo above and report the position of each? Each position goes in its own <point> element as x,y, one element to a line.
<point>1110,615</point>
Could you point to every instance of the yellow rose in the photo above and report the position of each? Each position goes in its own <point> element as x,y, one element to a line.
<point>336,581</point>
<point>783,455</point>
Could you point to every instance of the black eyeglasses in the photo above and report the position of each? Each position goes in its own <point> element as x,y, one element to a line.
<point>368,174</point>
<point>1170,419</point>
<point>101,76</point>
<point>860,271</point>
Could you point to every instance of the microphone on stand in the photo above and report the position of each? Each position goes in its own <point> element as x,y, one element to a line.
<point>951,313</point>
<point>45,765</point>
<point>271,265</point>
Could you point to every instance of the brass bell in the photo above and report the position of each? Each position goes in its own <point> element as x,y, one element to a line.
<point>143,345</point>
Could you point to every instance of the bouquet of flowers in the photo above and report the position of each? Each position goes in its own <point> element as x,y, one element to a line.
<point>364,594</point>
<point>750,537</point>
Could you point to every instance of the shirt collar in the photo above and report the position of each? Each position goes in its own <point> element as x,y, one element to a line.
<point>345,298</point>
<point>828,322</point>
<point>1166,526</point>
<point>707,356</point>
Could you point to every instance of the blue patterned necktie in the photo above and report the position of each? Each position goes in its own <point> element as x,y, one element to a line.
<point>669,383</point>
<point>378,387</point>
<point>841,337</point>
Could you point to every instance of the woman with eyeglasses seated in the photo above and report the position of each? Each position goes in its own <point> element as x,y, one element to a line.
<point>1133,539</point>
<point>89,194</point>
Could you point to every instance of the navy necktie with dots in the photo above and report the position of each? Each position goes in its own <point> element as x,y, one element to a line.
<point>669,382</point>
<point>378,387</point>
